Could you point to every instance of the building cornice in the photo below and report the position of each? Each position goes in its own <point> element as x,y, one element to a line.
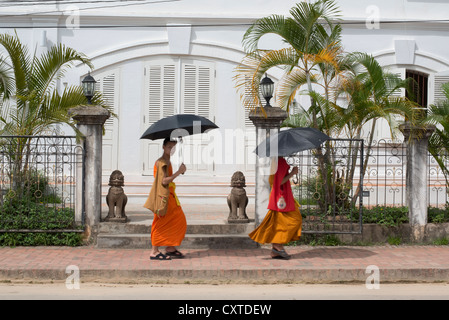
<point>125,19</point>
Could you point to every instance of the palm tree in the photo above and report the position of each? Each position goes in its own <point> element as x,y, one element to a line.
<point>314,58</point>
<point>439,141</point>
<point>370,95</point>
<point>313,49</point>
<point>312,39</point>
<point>30,104</point>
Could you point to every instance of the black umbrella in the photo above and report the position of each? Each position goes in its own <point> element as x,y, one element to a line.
<point>288,142</point>
<point>179,125</point>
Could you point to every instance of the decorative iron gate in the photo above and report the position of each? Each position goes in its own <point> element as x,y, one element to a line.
<point>38,176</point>
<point>329,187</point>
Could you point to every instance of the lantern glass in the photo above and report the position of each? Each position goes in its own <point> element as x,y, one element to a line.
<point>89,87</point>
<point>267,89</point>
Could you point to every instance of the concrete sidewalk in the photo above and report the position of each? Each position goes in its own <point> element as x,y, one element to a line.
<point>308,265</point>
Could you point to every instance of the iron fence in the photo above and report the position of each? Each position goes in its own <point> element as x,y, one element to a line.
<point>438,185</point>
<point>333,189</point>
<point>385,177</point>
<point>38,175</point>
<point>384,181</point>
<point>328,187</point>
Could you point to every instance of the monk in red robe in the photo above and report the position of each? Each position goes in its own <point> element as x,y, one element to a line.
<point>283,222</point>
<point>168,230</point>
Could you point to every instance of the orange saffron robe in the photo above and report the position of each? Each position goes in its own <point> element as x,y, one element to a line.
<point>279,227</point>
<point>170,229</point>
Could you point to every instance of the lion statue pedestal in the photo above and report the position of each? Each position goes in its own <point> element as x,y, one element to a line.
<point>237,199</point>
<point>116,198</point>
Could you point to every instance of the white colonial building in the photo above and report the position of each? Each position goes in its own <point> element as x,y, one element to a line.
<point>157,58</point>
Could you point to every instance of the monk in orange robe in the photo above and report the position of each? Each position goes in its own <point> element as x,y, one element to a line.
<point>168,230</point>
<point>283,222</point>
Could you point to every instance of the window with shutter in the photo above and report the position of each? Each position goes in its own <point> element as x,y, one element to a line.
<point>401,74</point>
<point>197,89</point>
<point>175,86</point>
<point>419,92</point>
<point>161,90</point>
<point>108,85</point>
<point>249,102</point>
<point>439,80</point>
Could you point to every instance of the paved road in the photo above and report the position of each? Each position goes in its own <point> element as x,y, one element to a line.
<point>89,291</point>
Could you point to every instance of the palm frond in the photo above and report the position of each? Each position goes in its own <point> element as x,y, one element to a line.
<point>250,72</point>
<point>275,24</point>
<point>52,66</point>
<point>19,61</point>
<point>6,80</point>
<point>289,85</point>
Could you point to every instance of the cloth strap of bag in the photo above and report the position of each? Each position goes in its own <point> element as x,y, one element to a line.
<point>173,185</point>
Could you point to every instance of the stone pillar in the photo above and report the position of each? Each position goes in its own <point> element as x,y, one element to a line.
<point>90,120</point>
<point>79,187</point>
<point>417,139</point>
<point>267,123</point>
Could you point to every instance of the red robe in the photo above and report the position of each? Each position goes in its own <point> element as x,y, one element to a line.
<point>279,190</point>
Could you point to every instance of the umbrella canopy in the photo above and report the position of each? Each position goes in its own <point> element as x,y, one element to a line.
<point>288,142</point>
<point>179,125</point>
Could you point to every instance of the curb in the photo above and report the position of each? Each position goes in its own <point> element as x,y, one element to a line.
<point>266,276</point>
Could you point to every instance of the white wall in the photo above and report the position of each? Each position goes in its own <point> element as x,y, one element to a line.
<point>216,34</point>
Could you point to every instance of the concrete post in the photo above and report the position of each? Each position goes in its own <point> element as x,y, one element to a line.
<point>417,139</point>
<point>90,120</point>
<point>267,123</point>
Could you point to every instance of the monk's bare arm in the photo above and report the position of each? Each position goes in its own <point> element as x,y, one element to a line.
<point>291,174</point>
<point>181,170</point>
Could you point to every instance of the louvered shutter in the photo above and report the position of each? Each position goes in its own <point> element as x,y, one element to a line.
<point>248,122</point>
<point>382,131</point>
<point>439,80</point>
<point>249,102</point>
<point>108,85</point>
<point>172,86</point>
<point>197,89</point>
<point>161,91</point>
<point>197,83</point>
<point>400,72</point>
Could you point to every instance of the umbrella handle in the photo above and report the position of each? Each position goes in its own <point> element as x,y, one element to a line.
<point>181,149</point>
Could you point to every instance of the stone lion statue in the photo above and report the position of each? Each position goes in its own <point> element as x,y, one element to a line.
<point>116,198</point>
<point>237,199</point>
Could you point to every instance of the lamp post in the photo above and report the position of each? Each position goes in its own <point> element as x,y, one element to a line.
<point>267,88</point>
<point>89,87</point>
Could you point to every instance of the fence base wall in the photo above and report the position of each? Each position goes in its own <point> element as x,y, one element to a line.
<point>404,233</point>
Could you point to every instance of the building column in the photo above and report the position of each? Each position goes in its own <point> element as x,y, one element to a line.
<point>267,123</point>
<point>90,120</point>
<point>417,139</point>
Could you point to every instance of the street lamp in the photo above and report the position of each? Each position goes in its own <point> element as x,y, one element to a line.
<point>267,88</point>
<point>89,87</point>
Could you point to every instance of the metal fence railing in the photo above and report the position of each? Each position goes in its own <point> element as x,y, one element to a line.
<point>333,189</point>
<point>385,177</point>
<point>38,175</point>
<point>329,187</point>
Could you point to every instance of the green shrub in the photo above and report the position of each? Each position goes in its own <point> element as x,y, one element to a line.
<point>41,239</point>
<point>388,216</point>
<point>24,214</point>
<point>441,242</point>
<point>438,215</point>
<point>394,241</point>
